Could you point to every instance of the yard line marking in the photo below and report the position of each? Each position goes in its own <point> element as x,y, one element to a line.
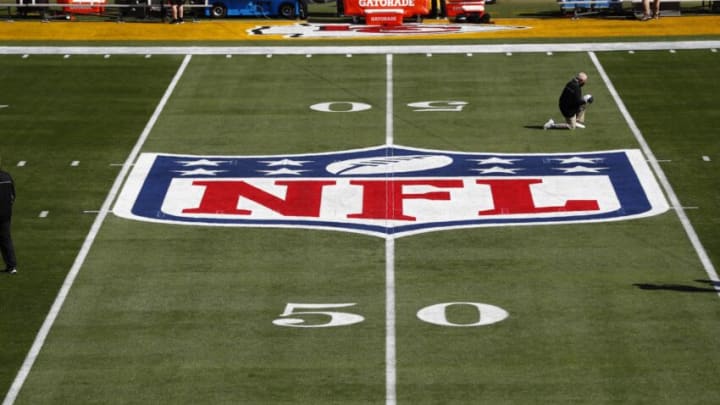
<point>85,249</point>
<point>75,163</point>
<point>389,136</point>
<point>21,163</point>
<point>674,201</point>
<point>43,214</point>
<point>390,349</point>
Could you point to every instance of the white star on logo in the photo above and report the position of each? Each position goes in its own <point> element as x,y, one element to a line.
<point>284,170</point>
<point>285,162</point>
<point>496,169</point>
<point>576,159</point>
<point>495,161</point>
<point>580,169</point>
<point>198,172</point>
<point>202,162</point>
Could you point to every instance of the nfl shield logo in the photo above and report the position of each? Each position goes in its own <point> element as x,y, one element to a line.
<point>391,190</point>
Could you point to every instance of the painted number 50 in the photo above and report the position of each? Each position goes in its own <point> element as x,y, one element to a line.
<point>295,312</point>
<point>418,106</point>
<point>299,315</point>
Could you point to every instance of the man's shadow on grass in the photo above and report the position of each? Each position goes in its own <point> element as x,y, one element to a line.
<point>542,128</point>
<point>714,287</point>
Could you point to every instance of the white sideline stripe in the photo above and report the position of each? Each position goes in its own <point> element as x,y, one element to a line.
<point>85,249</point>
<point>390,345</point>
<point>357,50</point>
<point>674,201</point>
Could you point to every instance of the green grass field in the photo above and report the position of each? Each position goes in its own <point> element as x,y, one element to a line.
<point>612,312</point>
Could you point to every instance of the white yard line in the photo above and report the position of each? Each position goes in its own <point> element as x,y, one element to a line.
<point>674,201</point>
<point>390,349</point>
<point>85,249</point>
<point>389,99</point>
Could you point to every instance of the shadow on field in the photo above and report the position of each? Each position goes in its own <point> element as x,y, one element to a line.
<point>542,128</point>
<point>714,287</point>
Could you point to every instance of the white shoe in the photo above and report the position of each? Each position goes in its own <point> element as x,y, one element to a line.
<point>549,124</point>
<point>580,125</point>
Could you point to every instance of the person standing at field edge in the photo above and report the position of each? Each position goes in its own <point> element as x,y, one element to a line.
<point>572,104</point>
<point>7,199</point>
<point>178,11</point>
<point>646,8</point>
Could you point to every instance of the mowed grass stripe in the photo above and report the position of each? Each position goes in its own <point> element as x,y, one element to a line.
<point>678,133</point>
<point>184,314</point>
<point>86,246</point>
<point>679,209</point>
<point>50,122</point>
<point>581,328</point>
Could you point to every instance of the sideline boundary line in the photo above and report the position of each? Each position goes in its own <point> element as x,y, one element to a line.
<point>89,240</point>
<point>373,50</point>
<point>674,201</point>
